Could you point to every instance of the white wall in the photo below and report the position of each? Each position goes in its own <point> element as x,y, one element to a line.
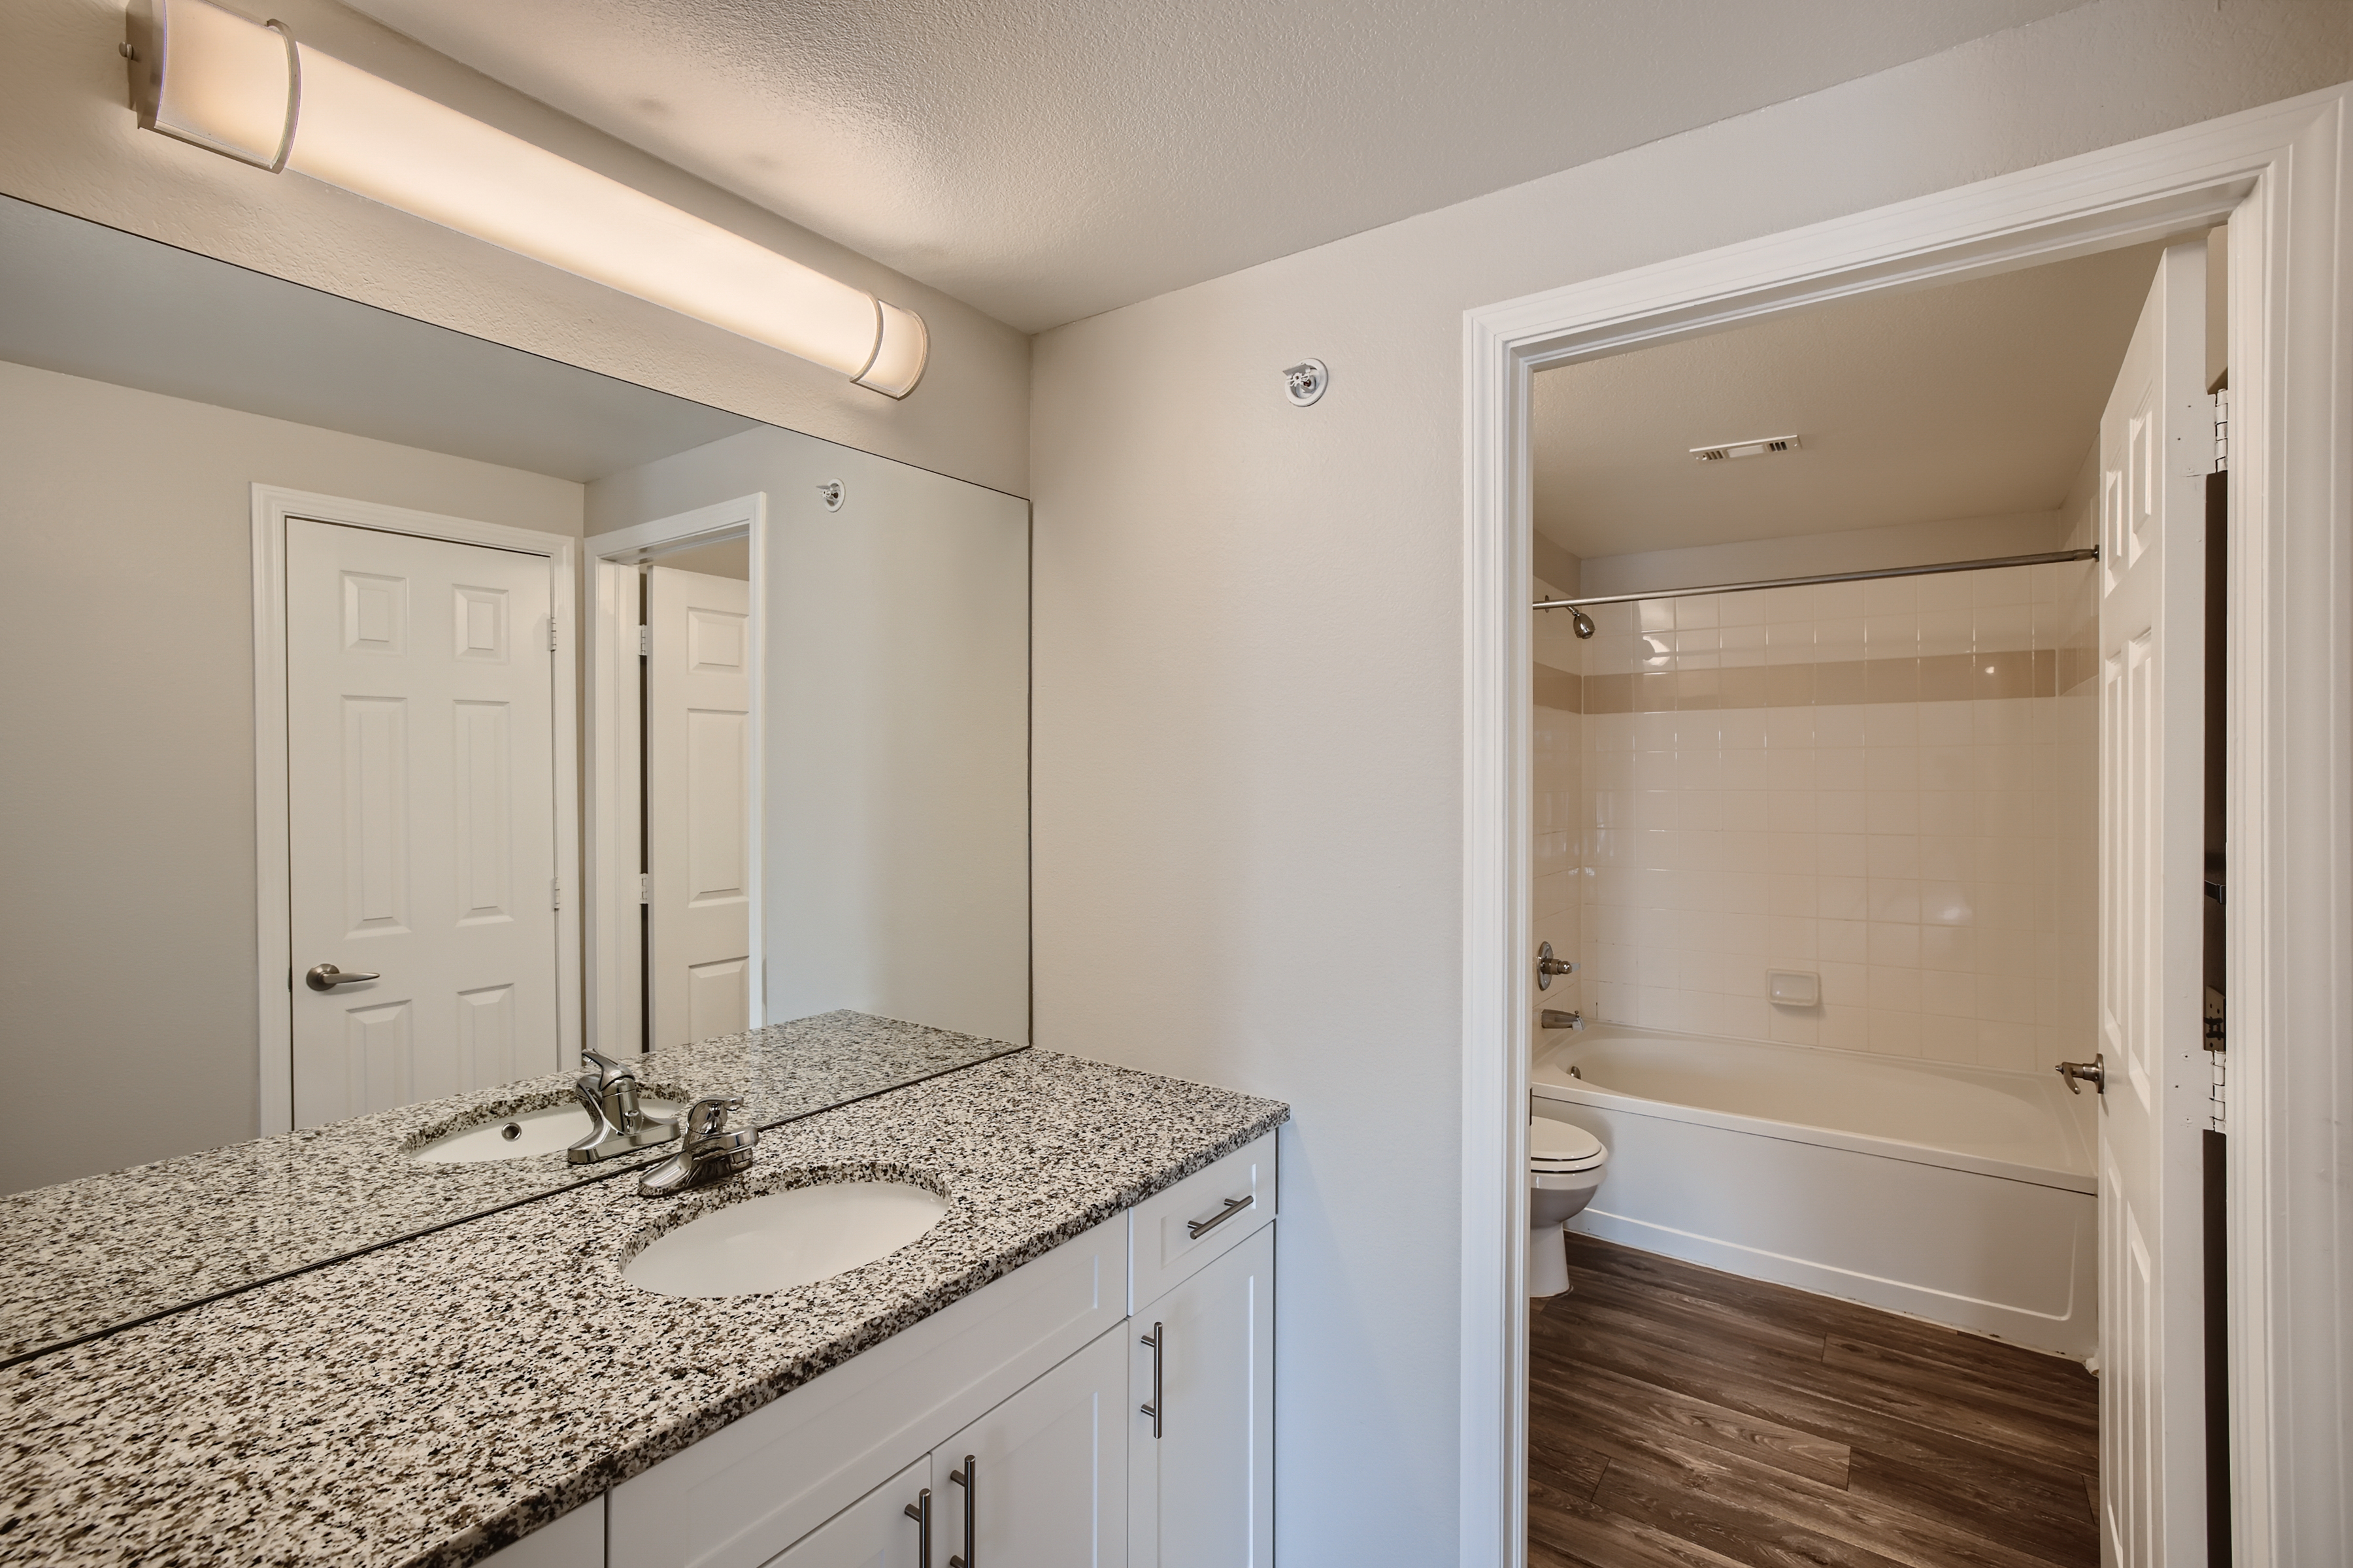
<point>1248,720</point>
<point>895,660</point>
<point>68,140</point>
<point>126,749</point>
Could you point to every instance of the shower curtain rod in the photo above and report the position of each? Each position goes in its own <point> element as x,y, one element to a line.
<point>2049,558</point>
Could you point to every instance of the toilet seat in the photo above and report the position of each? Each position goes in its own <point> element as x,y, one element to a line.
<point>1557,1148</point>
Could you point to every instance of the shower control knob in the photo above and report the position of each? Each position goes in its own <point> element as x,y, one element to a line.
<point>1547,966</point>
<point>2094,1072</point>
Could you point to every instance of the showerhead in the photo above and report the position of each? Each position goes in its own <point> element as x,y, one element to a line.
<point>1582,622</point>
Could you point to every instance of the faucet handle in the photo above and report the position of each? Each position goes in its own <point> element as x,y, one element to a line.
<point>608,1070</point>
<point>708,1118</point>
<point>709,1152</point>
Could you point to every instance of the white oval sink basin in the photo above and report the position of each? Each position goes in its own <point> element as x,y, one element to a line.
<point>798,1236</point>
<point>550,1129</point>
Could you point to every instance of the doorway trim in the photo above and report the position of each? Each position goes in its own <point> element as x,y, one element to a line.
<point>613,957</point>
<point>2279,173</point>
<point>273,899</point>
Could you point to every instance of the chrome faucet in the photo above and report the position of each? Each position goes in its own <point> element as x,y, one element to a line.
<point>1554,1018</point>
<point>711,1152</point>
<point>617,1125</point>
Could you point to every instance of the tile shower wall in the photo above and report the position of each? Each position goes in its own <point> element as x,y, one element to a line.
<point>1558,805</point>
<point>1891,784</point>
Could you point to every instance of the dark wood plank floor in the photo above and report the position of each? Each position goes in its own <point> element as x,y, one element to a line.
<point>1683,1418</point>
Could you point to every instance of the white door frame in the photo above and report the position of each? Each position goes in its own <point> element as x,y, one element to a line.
<point>2280,173</point>
<point>613,957</point>
<point>273,505</point>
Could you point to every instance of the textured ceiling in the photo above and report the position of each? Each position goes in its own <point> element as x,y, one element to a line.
<point>1045,160</point>
<point>1973,400</point>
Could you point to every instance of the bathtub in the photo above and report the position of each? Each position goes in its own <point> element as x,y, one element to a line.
<point>1957,1194</point>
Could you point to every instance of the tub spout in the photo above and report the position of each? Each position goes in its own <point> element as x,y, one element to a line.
<point>1554,1018</point>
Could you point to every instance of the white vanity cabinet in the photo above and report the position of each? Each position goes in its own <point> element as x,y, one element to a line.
<point>1026,1390</point>
<point>877,1530</point>
<point>1202,1359</point>
<point>1201,1354</point>
<point>1045,1472</point>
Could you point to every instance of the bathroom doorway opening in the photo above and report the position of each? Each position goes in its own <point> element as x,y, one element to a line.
<point>1816,779</point>
<point>2169,189</point>
<point>674,749</point>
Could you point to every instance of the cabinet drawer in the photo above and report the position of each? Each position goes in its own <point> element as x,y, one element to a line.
<point>752,1487</point>
<point>1167,1248</point>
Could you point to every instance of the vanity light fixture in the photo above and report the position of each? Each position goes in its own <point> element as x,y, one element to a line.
<point>249,91</point>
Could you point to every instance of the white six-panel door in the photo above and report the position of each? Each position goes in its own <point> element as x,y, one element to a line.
<point>2155,448</point>
<point>698,810</point>
<point>421,816</point>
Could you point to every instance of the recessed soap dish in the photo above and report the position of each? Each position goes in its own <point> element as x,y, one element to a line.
<point>1793,988</point>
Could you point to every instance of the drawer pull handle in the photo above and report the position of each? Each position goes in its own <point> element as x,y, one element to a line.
<point>920,1511</point>
<point>969,1479</point>
<point>1155,1339</point>
<point>1197,1228</point>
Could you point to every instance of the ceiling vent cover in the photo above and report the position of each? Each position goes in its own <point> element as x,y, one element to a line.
<point>1731,449</point>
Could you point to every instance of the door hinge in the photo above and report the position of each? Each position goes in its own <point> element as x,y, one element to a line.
<point>555,892</point>
<point>645,887</point>
<point>551,633</point>
<point>2218,1055</point>
<point>2223,431</point>
<point>645,642</point>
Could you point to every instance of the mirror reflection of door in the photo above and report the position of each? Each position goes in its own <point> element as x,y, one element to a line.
<point>421,819</point>
<point>697,686</point>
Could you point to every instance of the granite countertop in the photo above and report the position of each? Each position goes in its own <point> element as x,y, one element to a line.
<point>85,1255</point>
<point>426,1403</point>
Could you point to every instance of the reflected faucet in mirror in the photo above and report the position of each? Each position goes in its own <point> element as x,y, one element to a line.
<point>399,989</point>
<point>619,1125</point>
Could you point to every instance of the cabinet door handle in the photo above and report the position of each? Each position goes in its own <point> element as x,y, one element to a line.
<point>920,1511</point>
<point>1197,1228</point>
<point>1155,1339</point>
<point>969,1479</point>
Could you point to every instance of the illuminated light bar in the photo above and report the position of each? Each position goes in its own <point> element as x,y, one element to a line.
<point>210,78</point>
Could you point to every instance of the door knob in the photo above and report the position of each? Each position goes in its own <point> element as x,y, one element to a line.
<point>326,978</point>
<point>2094,1072</point>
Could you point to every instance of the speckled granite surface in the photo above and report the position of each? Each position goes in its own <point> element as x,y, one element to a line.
<point>427,1403</point>
<point>86,1255</point>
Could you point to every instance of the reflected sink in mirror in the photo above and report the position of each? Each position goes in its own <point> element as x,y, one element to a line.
<point>550,1129</point>
<point>237,1146</point>
<point>780,1240</point>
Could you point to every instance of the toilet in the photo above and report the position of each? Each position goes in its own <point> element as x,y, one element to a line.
<point>1565,1166</point>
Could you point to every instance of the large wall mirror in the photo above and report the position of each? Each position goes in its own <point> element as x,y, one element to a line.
<point>396,715</point>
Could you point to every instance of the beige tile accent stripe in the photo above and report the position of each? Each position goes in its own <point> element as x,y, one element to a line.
<point>1559,689</point>
<point>2076,667</point>
<point>1937,678</point>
